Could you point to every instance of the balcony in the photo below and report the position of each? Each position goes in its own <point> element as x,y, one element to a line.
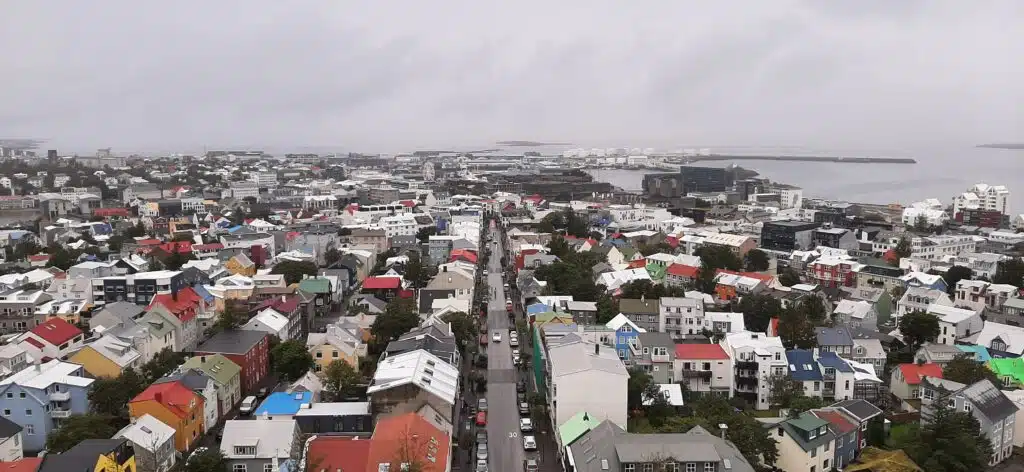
<point>60,396</point>
<point>702,374</point>
<point>748,382</point>
<point>746,365</point>
<point>60,413</point>
<point>660,358</point>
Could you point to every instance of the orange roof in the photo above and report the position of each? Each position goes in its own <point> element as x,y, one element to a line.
<point>429,444</point>
<point>638,264</point>
<point>913,372</point>
<point>838,421</point>
<point>28,464</point>
<point>172,395</point>
<point>701,351</point>
<point>682,270</point>
<point>754,275</point>
<point>182,304</point>
<point>339,453</point>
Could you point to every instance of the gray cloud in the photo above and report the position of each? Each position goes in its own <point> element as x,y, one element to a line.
<point>389,76</point>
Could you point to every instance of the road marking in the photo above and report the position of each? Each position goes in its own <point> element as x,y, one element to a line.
<point>513,434</point>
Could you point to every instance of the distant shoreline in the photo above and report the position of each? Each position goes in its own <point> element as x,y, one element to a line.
<point>1015,146</point>
<point>530,143</point>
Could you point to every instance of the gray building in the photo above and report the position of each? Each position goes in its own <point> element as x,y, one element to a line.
<point>655,354</point>
<point>583,313</point>
<point>259,443</point>
<point>986,403</point>
<point>608,447</point>
<point>431,338</point>
<point>642,312</point>
<point>837,340</point>
<point>336,417</point>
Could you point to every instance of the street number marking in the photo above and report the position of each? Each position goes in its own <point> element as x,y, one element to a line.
<point>513,434</point>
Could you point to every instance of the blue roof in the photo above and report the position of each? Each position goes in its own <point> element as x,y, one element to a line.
<point>831,359</point>
<point>234,228</point>
<point>978,353</point>
<point>284,403</point>
<point>537,308</point>
<point>802,366</point>
<point>202,292</point>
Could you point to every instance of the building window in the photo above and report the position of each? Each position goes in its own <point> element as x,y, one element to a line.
<point>629,468</point>
<point>30,429</point>
<point>691,467</point>
<point>709,467</point>
<point>268,467</point>
<point>648,467</point>
<point>824,464</point>
<point>28,412</point>
<point>7,412</point>
<point>238,468</point>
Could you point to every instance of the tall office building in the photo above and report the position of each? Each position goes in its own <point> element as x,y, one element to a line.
<point>704,179</point>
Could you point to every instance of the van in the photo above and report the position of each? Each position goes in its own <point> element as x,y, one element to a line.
<point>248,405</point>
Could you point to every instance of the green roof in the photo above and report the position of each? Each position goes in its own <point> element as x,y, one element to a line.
<point>1011,367</point>
<point>577,426</point>
<point>315,285</point>
<point>218,367</point>
<point>808,422</point>
<point>656,271</point>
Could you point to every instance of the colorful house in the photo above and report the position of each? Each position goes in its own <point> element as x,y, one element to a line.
<point>626,333</point>
<point>226,376</point>
<point>340,342</point>
<point>1009,370</point>
<point>906,379</point>
<point>54,339</point>
<point>108,357</point>
<point>106,455</point>
<point>240,264</point>
<point>175,405</point>
<point>185,306</point>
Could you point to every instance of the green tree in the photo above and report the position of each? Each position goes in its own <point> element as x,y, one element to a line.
<point>398,318</point>
<point>1010,272</point>
<point>954,275</point>
<point>61,258</point>
<point>209,460</point>
<point>756,260</point>
<point>137,231</point>
<point>163,363</point>
<point>418,272</point>
<point>607,306</point>
<point>234,315</point>
<point>758,310</point>
<point>966,370</point>
<point>331,256</point>
<point>919,327</point>
<point>340,379</point>
<point>424,234</point>
<point>796,330</point>
<point>176,259</point>
<point>77,428</point>
<point>110,396</point>
<point>637,387</point>
<point>559,246</point>
<point>951,442</point>
<point>290,359</point>
<point>294,271</point>
<point>647,289</point>
<point>902,248</point>
<point>662,247</point>
<point>719,257</point>
<point>463,326</point>
<point>789,277</point>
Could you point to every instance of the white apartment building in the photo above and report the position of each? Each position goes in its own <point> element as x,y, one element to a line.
<point>984,197</point>
<point>981,263</point>
<point>626,213</point>
<point>240,190</point>
<point>978,295</point>
<point>919,299</point>
<point>789,196</point>
<point>934,217</point>
<point>263,179</point>
<point>956,323</point>
<point>193,205</point>
<point>757,357</point>
<point>399,225</point>
<point>575,370</point>
<point>931,247</point>
<point>704,368</point>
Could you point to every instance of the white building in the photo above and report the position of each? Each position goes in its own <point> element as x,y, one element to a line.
<point>919,299</point>
<point>984,197</point>
<point>757,357</point>
<point>577,369</point>
<point>981,263</point>
<point>271,322</point>
<point>263,179</point>
<point>911,216</point>
<point>240,190</point>
<point>156,441</point>
<point>978,295</point>
<point>193,205</point>
<point>399,225</point>
<point>704,368</point>
<point>956,323</point>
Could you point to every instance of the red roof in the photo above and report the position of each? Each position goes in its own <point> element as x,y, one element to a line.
<point>56,331</point>
<point>182,304</point>
<point>754,275</point>
<point>39,257</point>
<point>148,242</point>
<point>112,212</point>
<point>408,203</point>
<point>35,342</point>
<point>913,372</point>
<point>638,264</point>
<point>173,395</point>
<point>391,434</point>
<point>672,241</point>
<point>379,283</point>
<point>28,464</point>
<point>466,254</point>
<point>837,420</point>
<point>181,247</point>
<point>207,247</point>
<point>682,270</point>
<point>701,352</point>
<point>339,453</point>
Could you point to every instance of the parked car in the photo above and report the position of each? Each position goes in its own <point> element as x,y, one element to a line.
<point>497,337</point>
<point>529,443</point>
<point>521,388</point>
<point>530,465</point>
<point>513,341</point>
<point>481,418</point>
<point>199,451</point>
<point>481,404</point>
<point>515,360</point>
<point>524,408</point>
<point>248,406</point>
<point>481,466</point>
<point>481,437</point>
<point>520,397</point>
<point>525,424</point>
<point>481,452</point>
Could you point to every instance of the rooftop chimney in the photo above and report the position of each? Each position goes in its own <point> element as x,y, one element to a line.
<point>597,349</point>
<point>723,427</point>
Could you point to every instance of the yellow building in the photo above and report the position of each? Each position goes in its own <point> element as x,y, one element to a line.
<point>102,455</point>
<point>240,264</point>
<point>108,356</point>
<point>339,343</point>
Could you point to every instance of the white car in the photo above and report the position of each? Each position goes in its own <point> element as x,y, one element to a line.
<point>497,337</point>
<point>481,466</point>
<point>529,443</point>
<point>525,424</point>
<point>513,341</point>
<point>481,452</point>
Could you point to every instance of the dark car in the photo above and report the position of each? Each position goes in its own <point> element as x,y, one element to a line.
<point>520,397</point>
<point>521,387</point>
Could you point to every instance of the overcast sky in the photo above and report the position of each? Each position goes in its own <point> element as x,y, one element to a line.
<point>390,76</point>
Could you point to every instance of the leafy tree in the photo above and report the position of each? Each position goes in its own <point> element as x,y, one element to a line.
<point>398,318</point>
<point>607,306</point>
<point>463,326</point>
<point>658,409</point>
<point>26,248</point>
<point>758,310</point>
<point>210,460</point>
<point>176,259</point>
<point>559,246</point>
<point>110,396</point>
<point>77,428</point>
<point>965,370</point>
<point>756,260</point>
<point>1010,272</point>
<point>61,258</point>
<point>719,257</point>
<point>291,359</point>
<point>796,329</point>
<point>294,270</point>
<point>662,247</point>
<point>784,390</point>
<point>234,315</point>
<point>956,274</point>
<point>161,364</point>
<point>137,231</point>
<point>902,248</point>
<point>424,234</point>
<point>340,379</point>
<point>638,385</point>
<point>418,272</point>
<point>802,403</point>
<point>331,256</point>
<point>115,243</point>
<point>646,289</point>
<point>919,327</point>
<point>951,442</point>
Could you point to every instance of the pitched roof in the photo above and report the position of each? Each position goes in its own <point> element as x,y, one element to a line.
<point>802,366</point>
<point>636,305</point>
<point>146,431</point>
<point>913,372</point>
<point>315,285</point>
<point>680,270</point>
<point>182,304</point>
<point>989,400</point>
<point>420,368</point>
<point>8,428</point>
<point>86,452</point>
<point>701,352</point>
<point>839,423</point>
<point>409,431</point>
<point>860,409</point>
<point>220,368</point>
<point>28,464</point>
<point>174,396</point>
<point>56,331</point>
<point>234,341</point>
<point>377,283</point>
<point>272,438</point>
<point>339,452</point>
<point>577,426</point>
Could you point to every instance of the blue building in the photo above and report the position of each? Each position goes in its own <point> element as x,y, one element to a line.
<point>803,368</point>
<point>40,396</point>
<point>626,333</point>
<point>283,405</point>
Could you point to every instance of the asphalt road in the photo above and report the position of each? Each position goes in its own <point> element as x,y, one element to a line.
<point>505,442</point>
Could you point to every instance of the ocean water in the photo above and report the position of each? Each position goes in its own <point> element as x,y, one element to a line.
<point>938,174</point>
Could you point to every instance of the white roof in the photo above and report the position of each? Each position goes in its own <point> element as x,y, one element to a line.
<point>271,319</point>
<point>1012,336</point>
<point>117,350</point>
<point>672,392</point>
<point>862,371</point>
<point>42,376</point>
<point>950,314</point>
<point>750,339</point>
<point>856,309</point>
<point>571,357</point>
<point>735,320</point>
<point>419,368</point>
<point>620,320</point>
<point>272,438</point>
<point>146,432</point>
<point>680,302</point>
<point>924,278</point>
<point>204,265</point>
<point>335,409</point>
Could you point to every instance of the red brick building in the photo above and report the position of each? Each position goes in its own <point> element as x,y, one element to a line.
<point>249,349</point>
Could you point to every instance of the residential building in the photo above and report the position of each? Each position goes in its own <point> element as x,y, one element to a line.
<point>113,455</point>
<point>175,405</point>
<point>461,282</point>
<point>837,340</point>
<point>430,445</point>
<point>704,368</point>
<point>574,369</point>
<point>608,447</point>
<point>871,352</point>
<point>435,338</point>
<point>259,445</point>
<point>1002,340</point>
<point>335,417</point>
<point>905,381</point>
<point>18,309</point>
<point>936,353</point>
<point>833,271</point>
<point>247,240</point>
<point>584,313</point>
<point>13,358</point>
<point>378,238</point>
<point>654,354</point>
<point>838,238</point>
<point>845,431</point>
<point>804,443</point>
<point>226,376</point>
<point>153,442</point>
<point>138,288</point>
<point>982,264</point>
<point>644,313</point>
<point>625,332</point>
<point>984,197</point>
<point>10,441</point>
<point>979,295</point>
<point>204,386</point>
<point>804,369</point>
<point>787,235</point>
<point>956,323</point>
<point>283,405</point>
<point>342,342</point>
<point>413,382</point>
<point>54,339</point>
<point>756,359</point>
<point>877,274</point>
<point>271,322</point>
<point>248,349</point>
<point>107,356</point>
<point>40,396</point>
<point>678,316</point>
<point>996,414</point>
<point>739,244</point>
<point>919,298</point>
